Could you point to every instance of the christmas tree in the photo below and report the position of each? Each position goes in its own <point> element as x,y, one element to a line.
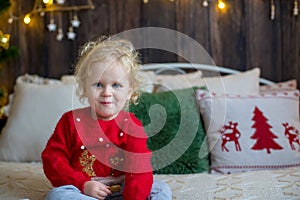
<point>263,135</point>
<point>6,52</point>
<point>4,5</point>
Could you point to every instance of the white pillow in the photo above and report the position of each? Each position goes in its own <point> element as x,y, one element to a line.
<point>28,78</point>
<point>68,79</point>
<point>36,79</point>
<point>241,83</point>
<point>282,86</point>
<point>249,132</point>
<point>147,78</point>
<point>178,81</point>
<point>34,112</point>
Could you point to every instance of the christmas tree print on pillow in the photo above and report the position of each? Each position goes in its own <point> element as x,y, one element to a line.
<point>263,135</point>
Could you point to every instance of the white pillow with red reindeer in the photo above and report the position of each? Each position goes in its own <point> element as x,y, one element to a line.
<point>251,132</point>
<point>282,86</point>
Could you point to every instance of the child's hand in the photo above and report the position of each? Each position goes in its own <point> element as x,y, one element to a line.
<point>96,189</point>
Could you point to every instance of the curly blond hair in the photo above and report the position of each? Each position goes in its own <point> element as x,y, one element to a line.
<point>103,49</point>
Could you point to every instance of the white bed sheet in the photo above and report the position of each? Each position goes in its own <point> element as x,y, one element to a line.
<point>27,181</point>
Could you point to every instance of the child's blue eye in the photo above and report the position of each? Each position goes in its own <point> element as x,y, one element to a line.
<point>116,85</point>
<point>98,85</point>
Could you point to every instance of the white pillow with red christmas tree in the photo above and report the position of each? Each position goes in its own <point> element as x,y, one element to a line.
<point>251,132</point>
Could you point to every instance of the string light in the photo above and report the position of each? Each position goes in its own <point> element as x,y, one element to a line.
<point>27,19</point>
<point>56,7</point>
<point>4,40</point>
<point>221,4</point>
<point>50,6</point>
<point>49,2</point>
<point>42,7</point>
<point>147,1</point>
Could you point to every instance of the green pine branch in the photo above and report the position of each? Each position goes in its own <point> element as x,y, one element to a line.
<point>12,51</point>
<point>4,5</point>
<point>9,53</point>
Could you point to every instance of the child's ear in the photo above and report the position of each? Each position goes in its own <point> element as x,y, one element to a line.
<point>84,91</point>
<point>84,87</point>
<point>130,92</point>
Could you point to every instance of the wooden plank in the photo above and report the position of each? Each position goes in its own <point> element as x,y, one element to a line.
<point>263,39</point>
<point>192,22</point>
<point>227,28</point>
<point>290,42</point>
<point>159,13</point>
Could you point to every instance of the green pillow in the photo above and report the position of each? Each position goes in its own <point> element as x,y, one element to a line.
<point>176,134</point>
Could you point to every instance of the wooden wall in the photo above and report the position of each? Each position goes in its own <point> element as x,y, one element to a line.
<point>241,37</point>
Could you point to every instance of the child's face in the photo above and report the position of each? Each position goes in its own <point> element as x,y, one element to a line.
<point>108,89</point>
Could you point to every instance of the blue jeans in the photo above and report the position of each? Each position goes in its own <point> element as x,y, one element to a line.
<point>159,191</point>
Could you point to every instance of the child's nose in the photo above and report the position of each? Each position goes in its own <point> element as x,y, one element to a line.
<point>106,91</point>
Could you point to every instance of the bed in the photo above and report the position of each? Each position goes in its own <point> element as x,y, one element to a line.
<point>215,133</point>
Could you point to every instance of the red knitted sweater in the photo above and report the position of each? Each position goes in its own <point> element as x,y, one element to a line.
<point>81,148</point>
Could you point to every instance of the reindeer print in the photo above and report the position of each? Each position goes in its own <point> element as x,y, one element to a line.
<point>230,133</point>
<point>292,134</point>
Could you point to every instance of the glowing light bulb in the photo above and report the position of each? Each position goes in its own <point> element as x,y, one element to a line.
<point>4,40</point>
<point>48,2</point>
<point>221,4</point>
<point>27,19</point>
<point>10,20</point>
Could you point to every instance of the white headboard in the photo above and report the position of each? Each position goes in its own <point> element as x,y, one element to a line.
<point>182,67</point>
